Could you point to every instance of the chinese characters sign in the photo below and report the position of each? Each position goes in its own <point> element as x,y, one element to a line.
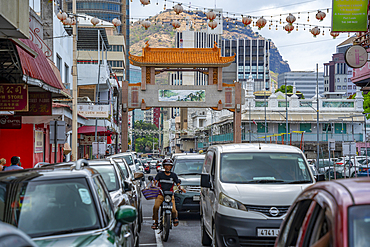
<point>94,111</point>
<point>88,140</point>
<point>349,16</point>
<point>13,97</point>
<point>40,104</point>
<point>10,122</point>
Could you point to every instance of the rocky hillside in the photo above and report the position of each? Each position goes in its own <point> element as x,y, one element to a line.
<point>162,34</point>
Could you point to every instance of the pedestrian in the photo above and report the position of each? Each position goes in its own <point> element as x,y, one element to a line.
<point>16,164</point>
<point>2,164</point>
<point>87,157</point>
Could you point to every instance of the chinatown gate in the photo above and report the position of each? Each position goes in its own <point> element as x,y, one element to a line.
<point>147,94</point>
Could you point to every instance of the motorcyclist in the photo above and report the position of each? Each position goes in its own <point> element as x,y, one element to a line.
<point>166,181</point>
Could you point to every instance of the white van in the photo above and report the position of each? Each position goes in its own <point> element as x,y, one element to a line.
<point>247,190</point>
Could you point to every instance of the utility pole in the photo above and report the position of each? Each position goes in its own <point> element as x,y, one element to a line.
<point>74,95</point>
<point>286,111</point>
<point>317,118</point>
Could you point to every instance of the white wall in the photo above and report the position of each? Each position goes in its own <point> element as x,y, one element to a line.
<point>64,48</point>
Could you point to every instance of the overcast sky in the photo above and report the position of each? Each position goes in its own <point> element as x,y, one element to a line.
<point>299,48</point>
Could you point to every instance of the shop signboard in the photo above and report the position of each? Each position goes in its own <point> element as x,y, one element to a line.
<point>94,111</point>
<point>39,142</point>
<point>10,122</point>
<point>349,16</point>
<point>40,104</point>
<point>88,140</point>
<point>13,97</point>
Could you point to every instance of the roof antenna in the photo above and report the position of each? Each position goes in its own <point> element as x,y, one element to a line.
<point>259,145</point>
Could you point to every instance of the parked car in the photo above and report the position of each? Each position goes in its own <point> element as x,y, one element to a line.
<point>247,190</point>
<point>12,236</point>
<point>64,205</point>
<point>330,213</point>
<point>189,169</point>
<point>134,185</point>
<point>363,172</point>
<point>130,160</point>
<point>147,168</point>
<point>153,164</point>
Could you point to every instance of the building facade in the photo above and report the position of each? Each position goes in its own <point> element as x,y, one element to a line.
<point>305,81</point>
<point>252,58</point>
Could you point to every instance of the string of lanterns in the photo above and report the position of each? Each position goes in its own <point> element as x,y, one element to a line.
<point>69,21</point>
<point>248,20</point>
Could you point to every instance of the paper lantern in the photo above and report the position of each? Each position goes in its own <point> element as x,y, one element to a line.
<point>95,21</point>
<point>116,22</point>
<point>246,21</point>
<point>290,19</point>
<point>320,15</point>
<point>211,15</point>
<point>334,34</point>
<point>176,24</point>
<point>67,21</point>
<point>145,2</point>
<point>212,24</point>
<point>178,9</point>
<point>315,31</point>
<point>289,28</point>
<point>146,24</point>
<point>261,23</point>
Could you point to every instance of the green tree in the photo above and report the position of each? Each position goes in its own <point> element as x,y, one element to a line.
<point>289,89</point>
<point>143,136</point>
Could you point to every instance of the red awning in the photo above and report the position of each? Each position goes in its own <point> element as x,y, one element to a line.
<point>91,130</point>
<point>39,67</point>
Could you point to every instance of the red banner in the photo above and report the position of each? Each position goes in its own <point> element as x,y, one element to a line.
<point>40,104</point>
<point>13,97</point>
<point>10,122</point>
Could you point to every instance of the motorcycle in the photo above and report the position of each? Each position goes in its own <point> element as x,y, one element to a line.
<point>165,214</point>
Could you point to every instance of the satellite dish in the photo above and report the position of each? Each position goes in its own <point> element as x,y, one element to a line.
<point>356,56</point>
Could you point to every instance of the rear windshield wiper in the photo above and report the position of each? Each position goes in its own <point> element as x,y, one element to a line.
<point>192,173</point>
<point>300,182</point>
<point>265,181</point>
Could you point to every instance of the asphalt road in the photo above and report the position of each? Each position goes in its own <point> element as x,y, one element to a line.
<point>187,233</point>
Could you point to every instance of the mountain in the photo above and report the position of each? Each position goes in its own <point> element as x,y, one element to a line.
<point>162,34</point>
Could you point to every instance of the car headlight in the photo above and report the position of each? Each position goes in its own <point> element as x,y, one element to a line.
<point>167,198</point>
<point>232,203</point>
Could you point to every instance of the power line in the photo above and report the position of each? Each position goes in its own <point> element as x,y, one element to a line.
<point>308,42</point>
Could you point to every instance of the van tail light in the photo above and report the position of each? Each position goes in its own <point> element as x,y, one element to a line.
<point>339,163</point>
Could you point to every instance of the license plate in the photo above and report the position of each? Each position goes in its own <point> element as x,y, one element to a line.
<point>196,198</point>
<point>267,232</point>
<point>167,207</point>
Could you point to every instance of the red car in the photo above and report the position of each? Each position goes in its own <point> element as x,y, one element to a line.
<point>335,213</point>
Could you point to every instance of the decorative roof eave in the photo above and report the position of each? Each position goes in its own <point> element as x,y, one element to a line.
<point>181,57</point>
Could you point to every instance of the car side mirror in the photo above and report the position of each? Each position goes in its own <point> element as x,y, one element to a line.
<point>138,175</point>
<point>127,186</point>
<point>205,180</point>
<point>124,215</point>
<point>320,177</point>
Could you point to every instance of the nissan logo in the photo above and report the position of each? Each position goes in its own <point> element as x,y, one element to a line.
<point>274,211</point>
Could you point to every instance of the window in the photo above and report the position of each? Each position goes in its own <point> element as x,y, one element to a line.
<point>338,79</point>
<point>261,128</point>
<point>59,63</point>
<point>290,231</point>
<point>208,162</point>
<point>326,127</point>
<point>339,87</point>
<point>358,225</point>
<point>344,87</point>
<point>305,127</point>
<point>104,200</point>
<point>66,73</point>
<point>349,86</point>
<point>345,79</point>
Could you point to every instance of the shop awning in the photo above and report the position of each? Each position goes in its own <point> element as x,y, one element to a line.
<point>38,71</point>
<point>91,130</point>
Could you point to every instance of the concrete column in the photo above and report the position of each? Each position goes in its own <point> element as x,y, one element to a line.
<point>210,76</point>
<point>238,114</point>
<point>219,79</point>
<point>143,78</point>
<point>124,127</point>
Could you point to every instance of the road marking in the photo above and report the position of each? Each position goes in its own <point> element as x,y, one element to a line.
<point>147,217</point>
<point>158,238</point>
<point>155,244</point>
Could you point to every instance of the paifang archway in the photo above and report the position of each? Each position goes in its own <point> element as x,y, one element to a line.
<point>216,95</point>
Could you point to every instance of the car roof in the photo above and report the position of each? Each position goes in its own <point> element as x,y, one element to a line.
<point>119,155</point>
<point>99,162</point>
<point>255,147</point>
<point>347,191</point>
<point>190,156</point>
<point>39,174</point>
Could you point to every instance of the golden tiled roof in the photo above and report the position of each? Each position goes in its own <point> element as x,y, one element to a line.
<point>183,57</point>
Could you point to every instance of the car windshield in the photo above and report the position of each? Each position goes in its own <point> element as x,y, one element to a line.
<point>109,176</point>
<point>127,157</point>
<point>359,225</point>
<point>49,207</point>
<point>264,168</point>
<point>188,166</point>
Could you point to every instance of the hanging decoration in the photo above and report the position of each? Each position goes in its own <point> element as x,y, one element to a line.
<point>116,22</point>
<point>334,34</point>
<point>289,28</point>
<point>146,24</point>
<point>73,21</point>
<point>320,15</point>
<point>211,15</point>
<point>67,21</point>
<point>176,24</point>
<point>315,31</point>
<point>145,2</point>
<point>213,24</point>
<point>60,16</point>
<point>261,23</point>
<point>178,9</point>
<point>290,19</point>
<point>95,21</point>
<point>246,20</point>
